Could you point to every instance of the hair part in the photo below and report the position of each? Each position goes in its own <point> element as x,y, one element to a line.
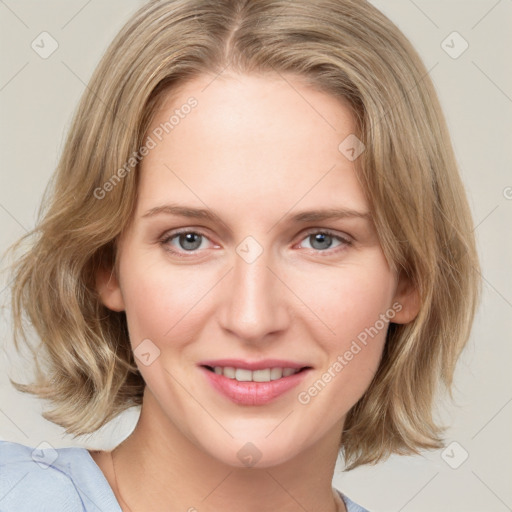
<point>346,48</point>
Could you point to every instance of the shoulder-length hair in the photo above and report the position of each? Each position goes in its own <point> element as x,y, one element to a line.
<point>346,48</point>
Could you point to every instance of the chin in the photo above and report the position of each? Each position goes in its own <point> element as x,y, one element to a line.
<point>251,452</point>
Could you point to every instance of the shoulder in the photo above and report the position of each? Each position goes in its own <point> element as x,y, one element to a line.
<point>35,479</point>
<point>350,505</point>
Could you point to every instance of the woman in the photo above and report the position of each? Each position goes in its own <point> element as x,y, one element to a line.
<point>257,231</point>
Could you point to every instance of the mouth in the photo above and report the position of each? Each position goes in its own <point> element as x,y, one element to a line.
<point>256,383</point>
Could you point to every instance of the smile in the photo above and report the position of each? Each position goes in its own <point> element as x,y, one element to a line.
<point>256,383</point>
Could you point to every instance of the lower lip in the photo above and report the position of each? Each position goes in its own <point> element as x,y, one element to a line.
<point>253,393</point>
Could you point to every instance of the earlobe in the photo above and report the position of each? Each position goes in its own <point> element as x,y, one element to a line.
<point>109,290</point>
<point>407,296</point>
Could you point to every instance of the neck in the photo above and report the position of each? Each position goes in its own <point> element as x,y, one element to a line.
<point>175,473</point>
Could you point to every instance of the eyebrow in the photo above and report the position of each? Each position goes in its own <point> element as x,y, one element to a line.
<point>304,216</point>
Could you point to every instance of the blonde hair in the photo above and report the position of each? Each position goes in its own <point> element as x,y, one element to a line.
<point>346,48</point>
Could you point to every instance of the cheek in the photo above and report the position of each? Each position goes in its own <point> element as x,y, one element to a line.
<point>353,306</point>
<point>162,303</point>
<point>164,307</point>
<point>347,300</point>
<point>152,301</point>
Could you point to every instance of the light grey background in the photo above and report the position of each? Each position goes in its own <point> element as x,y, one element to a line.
<point>38,97</point>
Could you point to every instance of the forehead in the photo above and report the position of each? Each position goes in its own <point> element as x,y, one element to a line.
<point>257,140</point>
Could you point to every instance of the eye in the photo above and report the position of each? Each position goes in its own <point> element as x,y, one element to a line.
<point>188,242</point>
<point>181,242</point>
<point>324,240</point>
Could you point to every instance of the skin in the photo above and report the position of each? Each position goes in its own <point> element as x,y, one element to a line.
<point>256,150</point>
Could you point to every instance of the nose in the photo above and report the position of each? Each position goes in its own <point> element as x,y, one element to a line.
<point>256,300</point>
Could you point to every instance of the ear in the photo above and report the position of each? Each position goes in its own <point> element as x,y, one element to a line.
<point>109,290</point>
<point>407,295</point>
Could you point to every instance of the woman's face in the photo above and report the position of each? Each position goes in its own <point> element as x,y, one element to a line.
<point>252,252</point>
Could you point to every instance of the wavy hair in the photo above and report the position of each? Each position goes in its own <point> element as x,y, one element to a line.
<point>346,48</point>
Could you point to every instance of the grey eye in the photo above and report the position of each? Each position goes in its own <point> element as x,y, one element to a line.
<point>189,241</point>
<point>320,241</point>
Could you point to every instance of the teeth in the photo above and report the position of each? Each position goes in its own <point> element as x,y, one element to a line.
<point>229,372</point>
<point>261,375</point>
<point>242,375</point>
<point>264,375</point>
<point>276,373</point>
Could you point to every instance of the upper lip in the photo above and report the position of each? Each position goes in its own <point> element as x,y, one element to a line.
<point>254,365</point>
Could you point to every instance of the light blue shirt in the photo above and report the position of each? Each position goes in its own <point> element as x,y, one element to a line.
<point>60,480</point>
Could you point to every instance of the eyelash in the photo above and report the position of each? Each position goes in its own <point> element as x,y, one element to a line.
<point>167,237</point>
